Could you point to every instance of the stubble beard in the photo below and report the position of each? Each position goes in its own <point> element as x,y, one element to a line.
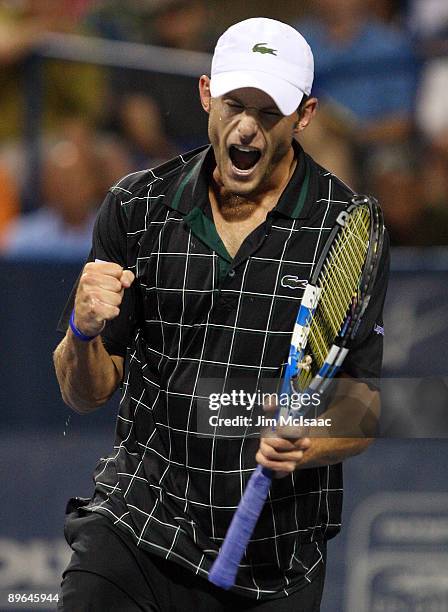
<point>238,205</point>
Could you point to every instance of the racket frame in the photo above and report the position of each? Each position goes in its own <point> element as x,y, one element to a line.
<point>350,326</point>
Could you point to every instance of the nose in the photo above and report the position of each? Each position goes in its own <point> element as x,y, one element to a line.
<point>247,127</point>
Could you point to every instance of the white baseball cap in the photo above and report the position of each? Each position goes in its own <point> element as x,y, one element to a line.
<point>265,54</point>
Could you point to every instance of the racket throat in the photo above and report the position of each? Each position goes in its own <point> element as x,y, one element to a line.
<point>308,306</point>
<point>306,363</point>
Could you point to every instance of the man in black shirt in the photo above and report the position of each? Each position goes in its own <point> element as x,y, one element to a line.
<point>189,280</point>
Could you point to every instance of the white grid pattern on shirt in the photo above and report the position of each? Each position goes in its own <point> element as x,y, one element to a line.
<point>160,400</point>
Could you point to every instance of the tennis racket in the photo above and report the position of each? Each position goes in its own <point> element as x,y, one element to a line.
<point>331,310</point>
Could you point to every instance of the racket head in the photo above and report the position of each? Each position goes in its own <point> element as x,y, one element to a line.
<point>344,278</point>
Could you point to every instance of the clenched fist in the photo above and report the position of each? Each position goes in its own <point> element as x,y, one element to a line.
<point>99,295</point>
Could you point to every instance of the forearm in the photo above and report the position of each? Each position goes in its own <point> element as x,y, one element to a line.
<point>352,421</point>
<point>386,131</point>
<point>86,373</point>
<point>346,429</point>
<point>328,451</point>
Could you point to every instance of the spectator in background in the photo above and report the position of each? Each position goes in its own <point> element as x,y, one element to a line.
<point>429,23</point>
<point>388,11</point>
<point>410,221</point>
<point>418,214</point>
<point>69,89</point>
<point>149,110</point>
<point>117,20</point>
<point>140,123</point>
<point>9,202</point>
<point>73,178</point>
<point>428,18</point>
<point>181,24</point>
<point>366,81</point>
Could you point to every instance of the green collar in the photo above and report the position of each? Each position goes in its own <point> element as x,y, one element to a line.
<point>204,229</point>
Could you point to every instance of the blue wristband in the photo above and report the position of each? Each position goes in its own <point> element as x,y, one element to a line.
<point>77,332</point>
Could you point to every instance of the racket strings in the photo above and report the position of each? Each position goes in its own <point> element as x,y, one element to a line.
<point>338,292</point>
<point>347,275</point>
<point>340,279</point>
<point>339,285</point>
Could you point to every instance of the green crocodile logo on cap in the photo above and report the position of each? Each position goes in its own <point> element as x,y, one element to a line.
<point>260,48</point>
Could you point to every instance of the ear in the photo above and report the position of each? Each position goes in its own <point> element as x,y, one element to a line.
<point>307,113</point>
<point>204,92</point>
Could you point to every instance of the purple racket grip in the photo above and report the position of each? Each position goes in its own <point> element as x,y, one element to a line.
<point>225,567</point>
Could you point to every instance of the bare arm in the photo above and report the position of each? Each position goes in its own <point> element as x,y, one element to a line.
<point>385,131</point>
<point>353,418</point>
<point>341,122</point>
<point>86,373</point>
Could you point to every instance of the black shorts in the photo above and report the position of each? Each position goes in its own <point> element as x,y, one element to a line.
<point>109,573</point>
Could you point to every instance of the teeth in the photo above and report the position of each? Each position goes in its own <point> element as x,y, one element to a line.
<point>245,149</point>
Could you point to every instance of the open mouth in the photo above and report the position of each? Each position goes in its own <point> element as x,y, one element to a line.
<point>244,158</point>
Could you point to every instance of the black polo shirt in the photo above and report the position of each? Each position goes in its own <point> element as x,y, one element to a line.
<point>194,314</point>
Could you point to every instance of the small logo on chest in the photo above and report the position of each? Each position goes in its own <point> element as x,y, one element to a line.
<point>293,282</point>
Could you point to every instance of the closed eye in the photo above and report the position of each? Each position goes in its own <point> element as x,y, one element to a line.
<point>271,113</point>
<point>237,108</point>
<point>234,104</point>
<point>268,112</point>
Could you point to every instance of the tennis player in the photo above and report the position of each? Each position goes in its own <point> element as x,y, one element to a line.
<point>196,273</point>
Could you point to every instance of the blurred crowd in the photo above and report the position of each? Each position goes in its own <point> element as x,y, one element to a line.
<point>382,127</point>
